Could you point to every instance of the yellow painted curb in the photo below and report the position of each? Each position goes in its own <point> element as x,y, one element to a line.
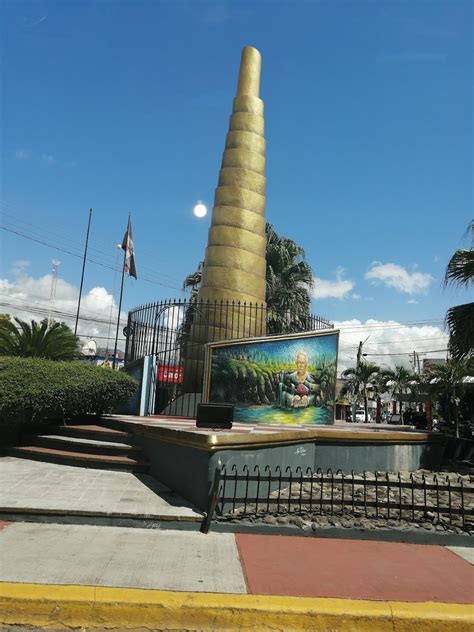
<point>52,606</point>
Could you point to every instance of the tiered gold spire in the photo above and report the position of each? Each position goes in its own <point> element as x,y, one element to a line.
<point>234,266</point>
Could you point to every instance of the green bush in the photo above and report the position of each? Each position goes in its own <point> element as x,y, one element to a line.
<point>40,391</point>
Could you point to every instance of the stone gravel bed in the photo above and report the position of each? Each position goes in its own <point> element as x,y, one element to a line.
<point>357,518</point>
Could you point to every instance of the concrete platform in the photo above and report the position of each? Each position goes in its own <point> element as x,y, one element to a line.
<point>169,442</point>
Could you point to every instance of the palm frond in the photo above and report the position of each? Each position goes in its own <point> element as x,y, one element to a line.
<point>460,269</point>
<point>460,322</point>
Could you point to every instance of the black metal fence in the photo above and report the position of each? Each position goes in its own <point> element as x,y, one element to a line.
<point>379,495</point>
<point>176,332</point>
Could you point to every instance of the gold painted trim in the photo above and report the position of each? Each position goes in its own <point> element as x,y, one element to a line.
<point>227,440</point>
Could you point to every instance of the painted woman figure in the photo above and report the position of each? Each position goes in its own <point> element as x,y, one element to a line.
<point>298,389</point>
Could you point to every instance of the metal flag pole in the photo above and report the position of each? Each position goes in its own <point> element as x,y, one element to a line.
<point>83,269</point>
<point>120,300</point>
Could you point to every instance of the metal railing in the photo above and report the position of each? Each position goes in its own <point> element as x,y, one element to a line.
<point>377,495</point>
<point>176,333</point>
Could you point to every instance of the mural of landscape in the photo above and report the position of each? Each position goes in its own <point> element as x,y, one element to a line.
<point>279,380</point>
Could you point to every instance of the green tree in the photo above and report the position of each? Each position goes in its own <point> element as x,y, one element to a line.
<point>37,340</point>
<point>398,381</point>
<point>447,383</point>
<point>289,279</point>
<point>360,381</point>
<point>460,318</point>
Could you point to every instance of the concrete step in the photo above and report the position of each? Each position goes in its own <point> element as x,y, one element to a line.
<point>94,432</point>
<point>114,425</point>
<point>80,459</point>
<point>79,444</point>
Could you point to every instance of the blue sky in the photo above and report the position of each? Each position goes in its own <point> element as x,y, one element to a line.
<point>124,106</point>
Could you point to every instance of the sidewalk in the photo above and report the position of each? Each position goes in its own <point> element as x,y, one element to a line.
<point>84,575</point>
<point>130,578</point>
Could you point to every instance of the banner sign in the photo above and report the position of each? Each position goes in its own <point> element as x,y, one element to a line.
<point>170,373</point>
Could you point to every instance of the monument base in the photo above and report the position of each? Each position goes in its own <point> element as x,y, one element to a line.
<point>185,458</point>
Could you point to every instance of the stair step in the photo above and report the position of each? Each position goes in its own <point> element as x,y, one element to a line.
<point>117,425</point>
<point>79,444</point>
<point>83,459</point>
<point>96,433</point>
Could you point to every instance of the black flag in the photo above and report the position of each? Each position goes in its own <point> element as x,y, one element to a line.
<point>127,246</point>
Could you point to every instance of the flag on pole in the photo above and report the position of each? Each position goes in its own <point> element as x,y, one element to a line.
<point>127,246</point>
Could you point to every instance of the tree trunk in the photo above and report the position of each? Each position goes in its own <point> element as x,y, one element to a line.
<point>366,411</point>
<point>456,420</point>
<point>378,410</point>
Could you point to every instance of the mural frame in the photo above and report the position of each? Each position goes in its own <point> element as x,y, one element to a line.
<point>248,342</point>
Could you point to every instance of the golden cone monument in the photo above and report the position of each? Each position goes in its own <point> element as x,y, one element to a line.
<point>234,265</point>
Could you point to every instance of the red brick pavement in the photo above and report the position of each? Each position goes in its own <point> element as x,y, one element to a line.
<point>350,569</point>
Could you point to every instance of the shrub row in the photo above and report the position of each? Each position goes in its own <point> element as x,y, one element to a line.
<point>37,390</point>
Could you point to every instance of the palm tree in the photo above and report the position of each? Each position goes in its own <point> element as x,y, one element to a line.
<point>399,381</point>
<point>289,279</point>
<point>460,319</point>
<point>447,383</point>
<point>37,340</point>
<point>193,281</point>
<point>360,380</point>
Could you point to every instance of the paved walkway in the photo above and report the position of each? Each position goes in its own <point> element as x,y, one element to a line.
<point>64,574</point>
<point>84,576</point>
<point>52,488</point>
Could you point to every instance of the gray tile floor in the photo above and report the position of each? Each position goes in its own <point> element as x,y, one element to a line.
<point>28,484</point>
<point>120,557</point>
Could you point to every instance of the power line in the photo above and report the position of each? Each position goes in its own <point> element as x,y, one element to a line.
<point>79,256</point>
<point>100,250</point>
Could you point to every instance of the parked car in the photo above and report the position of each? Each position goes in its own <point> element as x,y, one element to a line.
<point>360,415</point>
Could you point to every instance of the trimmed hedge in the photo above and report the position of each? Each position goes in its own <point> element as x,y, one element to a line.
<point>42,391</point>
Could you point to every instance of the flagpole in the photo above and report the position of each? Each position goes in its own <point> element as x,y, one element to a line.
<point>83,268</point>
<point>120,301</point>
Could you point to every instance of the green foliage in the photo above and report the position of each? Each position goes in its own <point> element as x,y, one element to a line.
<point>289,279</point>
<point>359,381</point>
<point>460,319</point>
<point>398,381</point>
<point>460,322</point>
<point>37,340</point>
<point>38,390</point>
<point>447,387</point>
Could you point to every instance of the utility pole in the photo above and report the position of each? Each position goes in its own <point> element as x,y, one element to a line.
<point>83,268</point>
<point>359,356</point>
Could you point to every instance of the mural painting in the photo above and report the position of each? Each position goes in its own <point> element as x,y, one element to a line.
<point>282,380</point>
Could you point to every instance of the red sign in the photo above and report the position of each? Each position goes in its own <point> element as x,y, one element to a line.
<point>170,373</point>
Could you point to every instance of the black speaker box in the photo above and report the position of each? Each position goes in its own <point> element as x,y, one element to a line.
<point>215,416</point>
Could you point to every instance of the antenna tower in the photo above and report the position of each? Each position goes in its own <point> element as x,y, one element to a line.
<point>52,292</point>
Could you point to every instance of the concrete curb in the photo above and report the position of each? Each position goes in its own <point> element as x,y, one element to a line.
<point>53,606</point>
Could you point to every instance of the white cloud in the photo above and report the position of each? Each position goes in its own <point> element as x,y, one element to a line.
<point>28,298</point>
<point>339,288</point>
<point>412,301</point>
<point>49,159</point>
<point>388,338</point>
<point>356,297</point>
<point>23,154</point>
<point>398,277</point>
<point>19,267</point>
